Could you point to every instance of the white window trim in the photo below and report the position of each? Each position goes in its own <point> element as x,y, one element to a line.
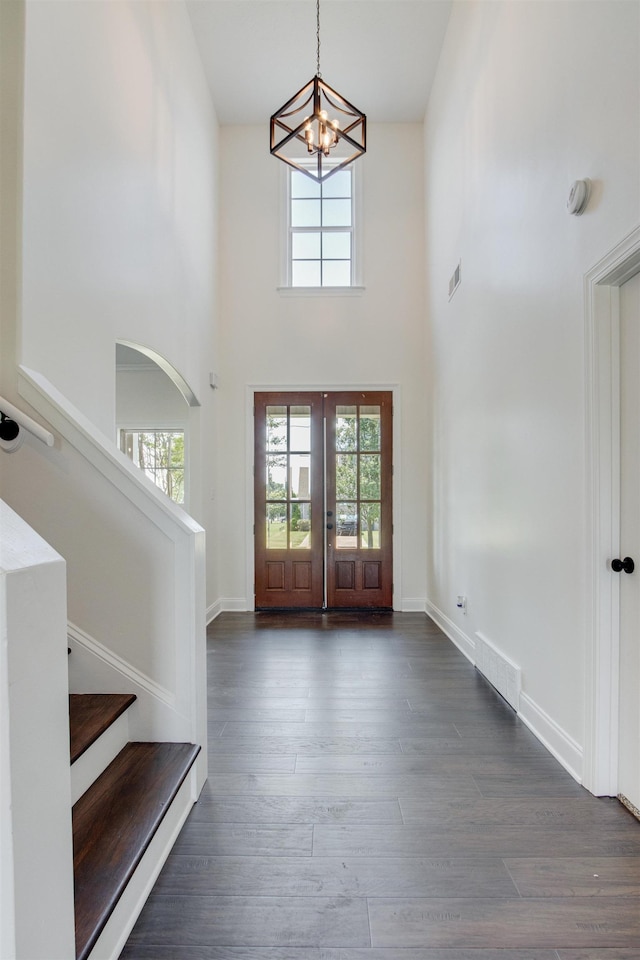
<point>356,288</point>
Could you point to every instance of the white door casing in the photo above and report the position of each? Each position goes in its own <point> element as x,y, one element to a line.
<point>629,703</point>
<point>602,353</point>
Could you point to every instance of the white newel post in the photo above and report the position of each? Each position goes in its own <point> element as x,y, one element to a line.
<point>36,857</point>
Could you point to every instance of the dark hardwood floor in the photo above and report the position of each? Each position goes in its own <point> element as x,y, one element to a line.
<point>370,797</point>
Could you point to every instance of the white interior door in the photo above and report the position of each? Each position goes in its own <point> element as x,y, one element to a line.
<point>629,712</point>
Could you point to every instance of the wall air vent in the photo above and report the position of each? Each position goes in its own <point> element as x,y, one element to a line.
<point>501,672</point>
<point>454,282</point>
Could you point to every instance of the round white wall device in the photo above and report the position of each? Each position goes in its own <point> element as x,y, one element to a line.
<point>578,196</point>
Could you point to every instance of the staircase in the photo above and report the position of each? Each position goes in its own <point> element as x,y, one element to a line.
<point>124,821</point>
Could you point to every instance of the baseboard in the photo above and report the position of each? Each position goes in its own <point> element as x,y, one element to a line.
<point>413,605</point>
<point>213,611</point>
<point>227,605</point>
<point>121,666</point>
<point>95,669</point>
<point>557,741</point>
<point>464,643</point>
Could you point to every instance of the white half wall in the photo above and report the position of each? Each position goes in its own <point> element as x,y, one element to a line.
<point>36,860</point>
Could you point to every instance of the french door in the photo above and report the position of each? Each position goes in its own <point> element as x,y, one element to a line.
<point>323,523</point>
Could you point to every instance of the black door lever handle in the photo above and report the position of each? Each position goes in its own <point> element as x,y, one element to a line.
<point>627,565</point>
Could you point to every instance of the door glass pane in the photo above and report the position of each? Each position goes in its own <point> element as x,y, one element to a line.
<point>346,428</point>
<point>370,529</point>
<point>346,476</point>
<point>346,525</point>
<point>276,428</point>
<point>370,428</point>
<point>276,533</point>
<point>300,526</point>
<point>276,478</point>
<point>370,476</point>
<point>299,476</point>
<point>300,429</point>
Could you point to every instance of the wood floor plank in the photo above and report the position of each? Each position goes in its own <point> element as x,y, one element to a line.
<point>327,728</point>
<point>141,952</point>
<point>444,922</point>
<point>428,840</point>
<point>305,746</point>
<point>206,839</point>
<point>576,877</point>
<point>336,877</point>
<point>587,813</point>
<point>253,921</point>
<point>256,810</point>
<point>343,785</point>
<point>247,763</point>
<point>492,767</point>
<point>561,785</point>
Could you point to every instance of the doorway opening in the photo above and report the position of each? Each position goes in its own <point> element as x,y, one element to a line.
<point>603,716</point>
<point>323,500</point>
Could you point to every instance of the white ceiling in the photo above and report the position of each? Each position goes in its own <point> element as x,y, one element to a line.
<point>380,54</point>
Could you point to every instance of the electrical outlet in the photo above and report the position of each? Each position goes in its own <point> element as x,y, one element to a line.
<point>461,603</point>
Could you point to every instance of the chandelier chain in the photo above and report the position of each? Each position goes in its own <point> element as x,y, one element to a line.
<point>318,74</point>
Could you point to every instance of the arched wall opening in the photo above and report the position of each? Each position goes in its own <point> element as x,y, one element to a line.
<point>154,414</point>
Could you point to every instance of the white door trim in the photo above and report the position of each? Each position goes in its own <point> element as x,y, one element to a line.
<point>602,355</point>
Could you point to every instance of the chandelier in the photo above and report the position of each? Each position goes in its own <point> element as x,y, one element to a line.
<point>320,132</point>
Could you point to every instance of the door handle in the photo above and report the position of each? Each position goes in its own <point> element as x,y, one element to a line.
<point>627,565</point>
<point>329,526</point>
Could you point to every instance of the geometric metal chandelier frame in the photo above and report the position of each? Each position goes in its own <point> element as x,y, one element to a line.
<point>309,135</point>
<point>303,135</point>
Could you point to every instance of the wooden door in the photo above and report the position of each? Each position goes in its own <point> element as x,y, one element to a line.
<point>629,710</point>
<point>289,500</point>
<point>358,496</point>
<point>323,523</point>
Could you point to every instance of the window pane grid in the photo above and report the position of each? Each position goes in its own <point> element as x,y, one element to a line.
<point>288,477</point>
<point>320,240</point>
<point>160,455</point>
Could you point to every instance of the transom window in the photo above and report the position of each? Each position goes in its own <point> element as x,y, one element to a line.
<point>321,230</point>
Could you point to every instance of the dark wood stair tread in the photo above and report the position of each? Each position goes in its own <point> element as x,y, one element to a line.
<point>114,823</point>
<point>90,714</point>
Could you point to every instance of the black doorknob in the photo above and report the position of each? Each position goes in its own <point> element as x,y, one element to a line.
<point>329,526</point>
<point>627,565</point>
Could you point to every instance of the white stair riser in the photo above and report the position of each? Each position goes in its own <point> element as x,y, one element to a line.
<point>98,756</point>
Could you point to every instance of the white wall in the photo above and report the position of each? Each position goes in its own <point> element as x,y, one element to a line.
<point>120,204</point>
<point>373,339</point>
<point>148,398</point>
<point>528,97</point>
